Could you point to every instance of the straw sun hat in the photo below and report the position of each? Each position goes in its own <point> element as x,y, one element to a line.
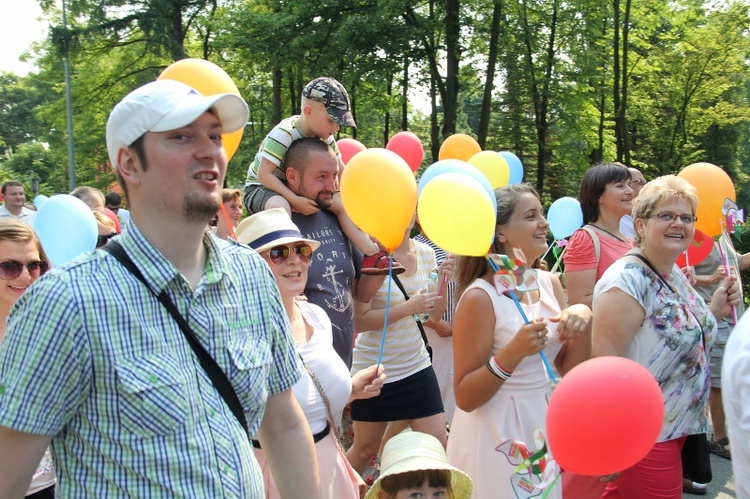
<point>413,450</point>
<point>266,229</point>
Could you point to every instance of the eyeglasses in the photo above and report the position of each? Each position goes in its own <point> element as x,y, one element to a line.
<point>666,216</point>
<point>10,269</point>
<point>279,254</point>
<point>102,240</point>
<point>638,182</point>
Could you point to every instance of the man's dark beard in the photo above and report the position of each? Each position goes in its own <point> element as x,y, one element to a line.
<point>324,199</point>
<point>199,209</point>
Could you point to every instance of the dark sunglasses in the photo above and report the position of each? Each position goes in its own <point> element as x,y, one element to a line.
<point>102,240</point>
<point>279,254</point>
<point>10,269</point>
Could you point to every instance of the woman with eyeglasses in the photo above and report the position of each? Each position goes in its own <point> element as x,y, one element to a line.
<point>646,310</point>
<point>325,386</point>
<point>23,261</point>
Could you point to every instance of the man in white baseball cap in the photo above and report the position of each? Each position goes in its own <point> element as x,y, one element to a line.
<point>94,362</point>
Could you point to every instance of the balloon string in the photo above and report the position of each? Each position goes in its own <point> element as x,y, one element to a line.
<point>385,323</point>
<point>727,273</point>
<point>228,221</point>
<point>513,296</point>
<point>551,486</point>
<point>559,259</point>
<point>548,249</point>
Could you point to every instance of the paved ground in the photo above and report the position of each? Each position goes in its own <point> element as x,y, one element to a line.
<point>722,485</point>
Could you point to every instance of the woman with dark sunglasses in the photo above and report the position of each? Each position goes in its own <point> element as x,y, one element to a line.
<point>325,386</point>
<point>23,261</point>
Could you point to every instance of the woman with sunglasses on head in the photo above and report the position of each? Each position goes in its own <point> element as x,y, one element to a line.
<point>646,310</point>
<point>325,386</point>
<point>23,261</point>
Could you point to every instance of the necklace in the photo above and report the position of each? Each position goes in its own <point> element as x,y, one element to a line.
<point>608,232</point>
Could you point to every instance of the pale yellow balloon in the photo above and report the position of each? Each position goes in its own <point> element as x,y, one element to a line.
<point>379,193</point>
<point>493,166</point>
<point>456,213</point>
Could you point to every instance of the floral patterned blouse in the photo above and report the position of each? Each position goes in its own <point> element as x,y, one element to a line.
<point>673,343</point>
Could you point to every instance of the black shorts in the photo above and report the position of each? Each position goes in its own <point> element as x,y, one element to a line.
<point>256,197</point>
<point>414,397</point>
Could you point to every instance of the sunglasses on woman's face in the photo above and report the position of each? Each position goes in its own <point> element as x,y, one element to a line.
<point>102,240</point>
<point>10,269</point>
<point>279,254</point>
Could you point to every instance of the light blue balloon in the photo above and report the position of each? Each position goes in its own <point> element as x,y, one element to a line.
<point>515,167</point>
<point>456,166</point>
<point>564,217</point>
<point>66,228</point>
<point>40,200</point>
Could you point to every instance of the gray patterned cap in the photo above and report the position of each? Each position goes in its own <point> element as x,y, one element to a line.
<point>333,96</point>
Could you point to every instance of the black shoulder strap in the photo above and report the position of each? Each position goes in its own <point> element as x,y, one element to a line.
<point>218,377</point>
<point>406,297</point>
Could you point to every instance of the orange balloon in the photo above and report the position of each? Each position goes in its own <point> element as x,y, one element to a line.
<point>209,79</point>
<point>713,186</point>
<point>459,146</point>
<point>379,193</point>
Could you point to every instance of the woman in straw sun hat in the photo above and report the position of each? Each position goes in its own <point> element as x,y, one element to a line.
<point>325,386</point>
<point>415,462</point>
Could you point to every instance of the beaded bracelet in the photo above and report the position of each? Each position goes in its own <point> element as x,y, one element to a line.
<point>498,371</point>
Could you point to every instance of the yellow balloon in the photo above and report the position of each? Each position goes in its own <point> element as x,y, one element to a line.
<point>379,194</point>
<point>713,186</point>
<point>459,146</point>
<point>456,213</point>
<point>209,79</point>
<point>493,166</point>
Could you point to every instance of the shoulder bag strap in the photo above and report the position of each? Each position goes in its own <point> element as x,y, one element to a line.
<point>215,373</point>
<point>406,297</point>
<point>595,238</point>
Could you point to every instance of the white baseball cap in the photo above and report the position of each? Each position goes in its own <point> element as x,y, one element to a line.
<point>165,105</point>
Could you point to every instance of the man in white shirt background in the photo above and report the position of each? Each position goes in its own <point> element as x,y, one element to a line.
<point>14,200</point>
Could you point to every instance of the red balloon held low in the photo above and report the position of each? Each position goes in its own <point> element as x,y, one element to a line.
<point>409,147</point>
<point>604,416</point>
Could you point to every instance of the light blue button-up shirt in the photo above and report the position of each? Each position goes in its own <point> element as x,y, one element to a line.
<point>94,359</point>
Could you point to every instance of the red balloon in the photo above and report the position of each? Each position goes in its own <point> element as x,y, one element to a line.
<point>604,416</point>
<point>409,147</point>
<point>697,251</point>
<point>349,147</point>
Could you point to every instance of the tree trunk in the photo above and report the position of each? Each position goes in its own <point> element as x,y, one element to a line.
<point>623,118</point>
<point>405,96</point>
<point>387,119</point>
<point>277,107</point>
<point>616,77</point>
<point>489,83</point>
<point>452,48</point>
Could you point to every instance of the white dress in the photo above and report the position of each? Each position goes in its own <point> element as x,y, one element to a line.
<point>483,443</point>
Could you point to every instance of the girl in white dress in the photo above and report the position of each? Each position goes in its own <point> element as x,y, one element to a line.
<point>501,385</point>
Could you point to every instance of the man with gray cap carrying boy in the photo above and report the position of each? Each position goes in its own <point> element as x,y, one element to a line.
<point>325,108</point>
<point>123,387</point>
